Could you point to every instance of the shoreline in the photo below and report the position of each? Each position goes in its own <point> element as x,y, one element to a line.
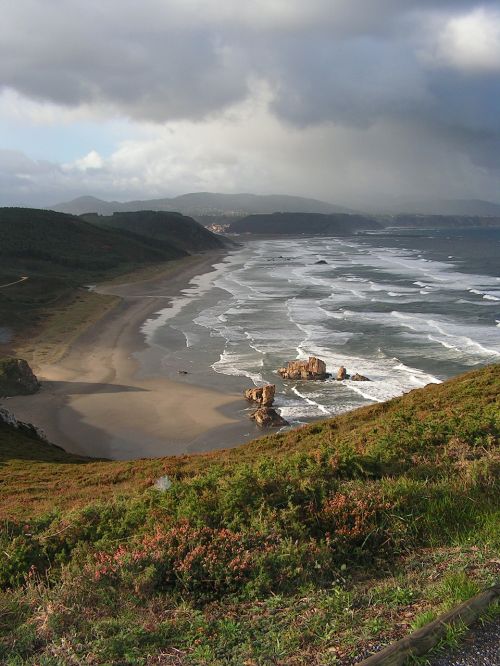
<point>93,402</point>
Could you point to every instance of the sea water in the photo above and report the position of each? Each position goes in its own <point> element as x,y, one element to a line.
<point>404,308</point>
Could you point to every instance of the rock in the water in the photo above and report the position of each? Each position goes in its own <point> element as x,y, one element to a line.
<point>321,261</point>
<point>263,395</point>
<point>314,368</point>
<point>267,417</point>
<point>359,378</point>
<point>341,373</point>
<point>17,378</point>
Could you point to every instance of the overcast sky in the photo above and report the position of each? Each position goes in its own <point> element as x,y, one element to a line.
<point>351,101</point>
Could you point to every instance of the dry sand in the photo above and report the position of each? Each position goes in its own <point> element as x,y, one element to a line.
<point>93,403</point>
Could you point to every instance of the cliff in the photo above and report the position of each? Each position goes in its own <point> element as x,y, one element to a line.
<point>16,377</point>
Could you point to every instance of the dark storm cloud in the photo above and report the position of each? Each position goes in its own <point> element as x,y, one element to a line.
<point>143,63</point>
<point>326,60</point>
<point>428,68</point>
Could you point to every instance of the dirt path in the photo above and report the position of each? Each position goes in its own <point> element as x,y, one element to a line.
<point>9,284</point>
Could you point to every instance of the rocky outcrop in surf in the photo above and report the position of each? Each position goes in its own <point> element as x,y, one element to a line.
<point>267,417</point>
<point>263,395</point>
<point>314,368</point>
<point>359,378</point>
<point>343,374</point>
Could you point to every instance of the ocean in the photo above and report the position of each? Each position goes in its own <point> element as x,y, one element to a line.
<point>403,307</point>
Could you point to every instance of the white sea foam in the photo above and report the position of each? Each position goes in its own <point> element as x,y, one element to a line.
<point>453,335</point>
<point>238,365</point>
<point>276,307</point>
<point>316,405</point>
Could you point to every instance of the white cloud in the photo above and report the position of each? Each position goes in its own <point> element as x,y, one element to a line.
<point>470,42</point>
<point>91,161</point>
<point>249,149</point>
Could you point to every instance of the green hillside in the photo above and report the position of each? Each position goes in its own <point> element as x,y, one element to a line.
<point>178,230</point>
<point>57,244</point>
<point>46,259</point>
<point>303,547</point>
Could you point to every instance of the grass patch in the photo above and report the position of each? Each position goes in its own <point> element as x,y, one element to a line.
<point>63,325</point>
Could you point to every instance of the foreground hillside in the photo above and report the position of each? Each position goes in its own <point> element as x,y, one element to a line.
<point>305,547</point>
<point>46,258</point>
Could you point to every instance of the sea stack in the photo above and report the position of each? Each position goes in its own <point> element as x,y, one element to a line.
<point>262,395</point>
<point>267,417</point>
<point>341,374</point>
<point>314,368</point>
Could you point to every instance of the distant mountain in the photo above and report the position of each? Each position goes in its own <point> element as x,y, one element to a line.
<point>200,204</point>
<point>178,230</point>
<point>458,207</point>
<point>337,224</point>
<point>82,205</point>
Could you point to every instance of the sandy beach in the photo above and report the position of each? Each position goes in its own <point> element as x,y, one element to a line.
<point>95,401</point>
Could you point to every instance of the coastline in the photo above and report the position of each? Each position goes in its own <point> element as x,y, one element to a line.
<point>94,401</point>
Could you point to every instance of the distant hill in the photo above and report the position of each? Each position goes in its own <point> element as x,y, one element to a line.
<point>199,204</point>
<point>178,230</point>
<point>82,205</point>
<point>338,224</point>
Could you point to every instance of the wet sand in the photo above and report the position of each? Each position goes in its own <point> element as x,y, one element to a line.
<point>95,402</point>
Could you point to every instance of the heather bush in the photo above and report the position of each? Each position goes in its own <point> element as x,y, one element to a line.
<point>209,563</point>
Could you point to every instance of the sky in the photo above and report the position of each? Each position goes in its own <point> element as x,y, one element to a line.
<point>356,102</point>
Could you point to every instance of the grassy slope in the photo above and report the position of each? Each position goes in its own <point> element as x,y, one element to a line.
<point>298,548</point>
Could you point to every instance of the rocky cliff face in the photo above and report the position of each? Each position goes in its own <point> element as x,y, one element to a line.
<point>17,378</point>
<point>8,418</point>
<point>314,368</point>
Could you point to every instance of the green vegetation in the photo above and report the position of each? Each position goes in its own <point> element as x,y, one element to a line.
<point>178,230</point>
<point>46,258</point>
<point>304,547</point>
